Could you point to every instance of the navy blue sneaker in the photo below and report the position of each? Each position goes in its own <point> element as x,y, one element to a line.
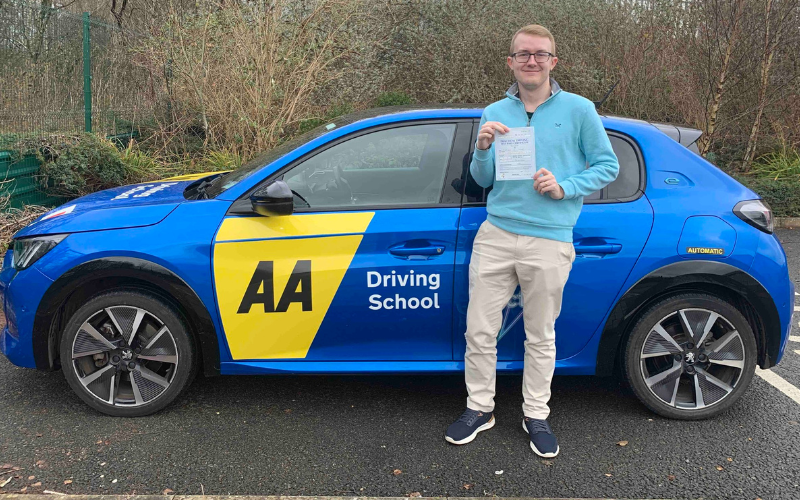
<point>543,441</point>
<point>468,425</point>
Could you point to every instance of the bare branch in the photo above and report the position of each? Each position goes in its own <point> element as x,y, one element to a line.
<point>118,14</point>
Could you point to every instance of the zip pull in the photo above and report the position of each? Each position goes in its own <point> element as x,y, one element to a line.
<point>539,106</point>
<point>526,113</point>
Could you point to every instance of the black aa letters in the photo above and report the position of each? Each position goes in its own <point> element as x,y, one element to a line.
<point>262,276</point>
<point>298,288</point>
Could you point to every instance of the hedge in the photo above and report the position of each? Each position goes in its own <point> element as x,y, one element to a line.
<point>782,195</point>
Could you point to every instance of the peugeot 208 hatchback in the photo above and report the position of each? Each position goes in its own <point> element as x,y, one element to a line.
<point>347,250</point>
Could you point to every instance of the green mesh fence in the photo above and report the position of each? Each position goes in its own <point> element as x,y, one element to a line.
<point>44,71</point>
<point>63,73</point>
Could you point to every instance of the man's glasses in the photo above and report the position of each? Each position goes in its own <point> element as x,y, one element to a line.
<point>539,57</point>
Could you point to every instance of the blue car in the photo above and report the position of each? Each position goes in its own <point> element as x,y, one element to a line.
<point>347,251</point>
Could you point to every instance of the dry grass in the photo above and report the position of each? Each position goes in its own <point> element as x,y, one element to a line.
<point>243,76</point>
<point>246,72</point>
<point>14,219</point>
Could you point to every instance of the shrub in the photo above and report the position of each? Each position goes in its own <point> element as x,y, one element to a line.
<point>778,165</point>
<point>338,110</point>
<point>247,71</point>
<point>14,219</point>
<point>309,124</point>
<point>143,167</point>
<point>217,161</point>
<point>18,145</point>
<point>393,99</point>
<point>783,195</point>
<point>334,111</point>
<point>8,141</point>
<point>79,165</point>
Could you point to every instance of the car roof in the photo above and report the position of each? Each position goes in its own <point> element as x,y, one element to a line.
<point>686,136</point>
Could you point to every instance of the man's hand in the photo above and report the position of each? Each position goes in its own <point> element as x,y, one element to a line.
<point>486,133</point>
<point>545,182</point>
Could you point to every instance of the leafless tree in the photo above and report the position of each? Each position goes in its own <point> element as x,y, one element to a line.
<point>722,33</point>
<point>118,13</point>
<point>780,17</point>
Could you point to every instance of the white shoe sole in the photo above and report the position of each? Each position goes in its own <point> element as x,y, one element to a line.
<point>488,425</point>
<point>543,455</point>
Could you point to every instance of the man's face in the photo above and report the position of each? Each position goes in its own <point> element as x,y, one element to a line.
<point>532,74</point>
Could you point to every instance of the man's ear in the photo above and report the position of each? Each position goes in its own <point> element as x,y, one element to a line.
<point>510,63</point>
<point>555,61</point>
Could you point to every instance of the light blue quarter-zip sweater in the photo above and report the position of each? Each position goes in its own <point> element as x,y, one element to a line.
<point>570,142</point>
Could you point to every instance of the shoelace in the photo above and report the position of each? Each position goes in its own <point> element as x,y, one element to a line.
<point>469,417</point>
<point>535,425</point>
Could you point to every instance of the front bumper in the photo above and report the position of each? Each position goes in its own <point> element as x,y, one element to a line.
<point>791,318</point>
<point>20,294</point>
<point>770,268</point>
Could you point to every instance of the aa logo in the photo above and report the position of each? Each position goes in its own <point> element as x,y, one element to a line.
<point>261,289</point>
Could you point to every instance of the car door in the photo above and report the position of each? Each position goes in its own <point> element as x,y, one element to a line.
<point>608,237</point>
<point>363,269</point>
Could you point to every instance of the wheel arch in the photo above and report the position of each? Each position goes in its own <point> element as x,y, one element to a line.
<point>86,280</point>
<point>713,277</point>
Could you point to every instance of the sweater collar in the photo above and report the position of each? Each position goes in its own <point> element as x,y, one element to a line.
<point>513,91</point>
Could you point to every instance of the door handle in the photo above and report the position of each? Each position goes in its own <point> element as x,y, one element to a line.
<point>606,248</point>
<point>432,250</point>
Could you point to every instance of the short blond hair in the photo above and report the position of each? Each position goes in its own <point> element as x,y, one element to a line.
<point>534,30</point>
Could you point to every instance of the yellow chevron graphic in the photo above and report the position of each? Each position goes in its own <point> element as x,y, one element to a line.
<point>192,177</point>
<point>244,228</point>
<point>271,308</point>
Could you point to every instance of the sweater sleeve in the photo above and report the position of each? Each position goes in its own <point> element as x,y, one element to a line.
<point>603,166</point>
<point>482,165</point>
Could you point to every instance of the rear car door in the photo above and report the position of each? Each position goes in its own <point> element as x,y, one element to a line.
<point>363,269</point>
<point>609,236</point>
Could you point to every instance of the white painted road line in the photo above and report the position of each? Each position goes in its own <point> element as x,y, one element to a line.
<point>793,338</point>
<point>797,308</point>
<point>797,351</point>
<point>779,383</point>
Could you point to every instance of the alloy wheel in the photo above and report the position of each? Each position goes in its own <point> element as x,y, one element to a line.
<point>692,358</point>
<point>125,356</point>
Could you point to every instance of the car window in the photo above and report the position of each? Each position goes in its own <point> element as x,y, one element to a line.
<point>233,177</point>
<point>626,185</point>
<point>399,166</point>
<point>627,182</point>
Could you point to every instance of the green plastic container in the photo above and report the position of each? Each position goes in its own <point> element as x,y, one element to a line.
<point>20,184</point>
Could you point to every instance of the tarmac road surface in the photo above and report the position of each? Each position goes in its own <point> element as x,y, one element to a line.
<point>383,436</point>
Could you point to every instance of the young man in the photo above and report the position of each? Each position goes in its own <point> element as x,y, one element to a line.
<point>527,237</point>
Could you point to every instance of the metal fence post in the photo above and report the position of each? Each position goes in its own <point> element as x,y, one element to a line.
<point>87,75</point>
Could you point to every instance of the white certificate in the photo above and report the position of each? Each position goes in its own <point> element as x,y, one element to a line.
<point>515,154</point>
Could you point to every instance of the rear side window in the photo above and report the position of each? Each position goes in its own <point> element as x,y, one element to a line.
<point>627,182</point>
<point>624,187</point>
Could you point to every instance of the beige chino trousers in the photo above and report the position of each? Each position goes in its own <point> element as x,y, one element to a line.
<point>500,261</point>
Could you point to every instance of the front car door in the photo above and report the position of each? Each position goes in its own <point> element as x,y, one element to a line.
<point>363,270</point>
<point>609,236</point>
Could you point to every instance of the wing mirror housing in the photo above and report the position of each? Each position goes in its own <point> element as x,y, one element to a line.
<point>272,200</point>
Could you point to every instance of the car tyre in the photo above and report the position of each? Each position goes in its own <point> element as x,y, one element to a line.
<point>127,353</point>
<point>667,374</point>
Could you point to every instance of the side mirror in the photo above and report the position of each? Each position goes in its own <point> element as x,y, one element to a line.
<point>273,200</point>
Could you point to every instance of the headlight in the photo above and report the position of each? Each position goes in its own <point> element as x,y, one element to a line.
<point>29,250</point>
<point>757,213</point>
